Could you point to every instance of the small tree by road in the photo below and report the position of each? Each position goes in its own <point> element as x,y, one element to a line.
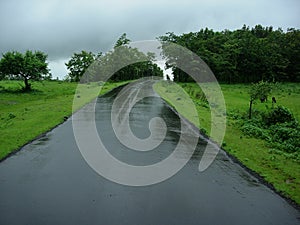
<point>259,91</point>
<point>28,66</point>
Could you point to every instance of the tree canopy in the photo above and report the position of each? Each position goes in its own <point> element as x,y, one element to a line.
<point>244,55</point>
<point>260,90</point>
<point>27,66</point>
<point>122,56</point>
<point>78,64</point>
<point>122,63</point>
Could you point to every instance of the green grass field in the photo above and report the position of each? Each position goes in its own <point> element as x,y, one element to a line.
<point>25,116</point>
<point>277,169</point>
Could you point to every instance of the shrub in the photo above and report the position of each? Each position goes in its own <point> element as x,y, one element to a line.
<point>278,127</point>
<point>279,114</point>
<point>254,131</point>
<point>287,136</point>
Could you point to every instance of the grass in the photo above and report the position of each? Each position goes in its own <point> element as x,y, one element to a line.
<point>25,116</point>
<point>256,154</point>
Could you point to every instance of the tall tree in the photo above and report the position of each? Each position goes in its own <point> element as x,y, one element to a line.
<point>28,66</point>
<point>126,63</point>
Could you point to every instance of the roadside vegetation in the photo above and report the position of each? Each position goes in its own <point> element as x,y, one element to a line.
<point>268,143</point>
<point>25,116</point>
<point>262,115</point>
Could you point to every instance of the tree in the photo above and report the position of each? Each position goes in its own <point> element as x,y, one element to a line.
<point>28,66</point>
<point>260,91</point>
<point>78,64</point>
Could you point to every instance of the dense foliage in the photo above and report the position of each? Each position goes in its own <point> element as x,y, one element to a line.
<point>120,64</point>
<point>127,63</point>
<point>78,64</point>
<point>27,66</point>
<point>279,114</point>
<point>244,55</point>
<point>278,126</point>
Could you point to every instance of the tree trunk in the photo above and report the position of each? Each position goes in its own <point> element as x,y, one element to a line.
<point>27,85</point>
<point>250,109</point>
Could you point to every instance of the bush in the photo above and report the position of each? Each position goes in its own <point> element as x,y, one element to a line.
<point>279,114</point>
<point>286,136</point>
<point>278,127</point>
<point>254,131</point>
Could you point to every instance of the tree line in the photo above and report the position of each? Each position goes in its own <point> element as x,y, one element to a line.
<point>121,64</point>
<point>241,56</point>
<point>244,55</point>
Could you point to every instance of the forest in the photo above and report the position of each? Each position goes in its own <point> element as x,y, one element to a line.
<point>245,55</point>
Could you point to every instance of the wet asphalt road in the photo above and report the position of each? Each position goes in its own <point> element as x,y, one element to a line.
<point>49,182</point>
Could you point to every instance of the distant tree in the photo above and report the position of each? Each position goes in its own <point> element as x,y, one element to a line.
<point>261,91</point>
<point>28,66</point>
<point>78,64</point>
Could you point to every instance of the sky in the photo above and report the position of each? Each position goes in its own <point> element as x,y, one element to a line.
<point>61,27</point>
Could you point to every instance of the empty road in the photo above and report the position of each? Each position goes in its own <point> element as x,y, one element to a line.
<point>49,182</point>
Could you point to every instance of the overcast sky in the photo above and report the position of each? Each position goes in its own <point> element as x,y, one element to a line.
<point>63,27</point>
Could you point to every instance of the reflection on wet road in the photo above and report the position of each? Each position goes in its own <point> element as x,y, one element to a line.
<point>48,181</point>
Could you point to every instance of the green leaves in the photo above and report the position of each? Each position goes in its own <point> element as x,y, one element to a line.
<point>278,126</point>
<point>279,114</point>
<point>260,90</point>
<point>78,64</point>
<point>123,40</point>
<point>117,64</point>
<point>120,64</point>
<point>244,55</point>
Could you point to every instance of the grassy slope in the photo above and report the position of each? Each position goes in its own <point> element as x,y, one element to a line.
<point>281,172</point>
<point>24,116</point>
